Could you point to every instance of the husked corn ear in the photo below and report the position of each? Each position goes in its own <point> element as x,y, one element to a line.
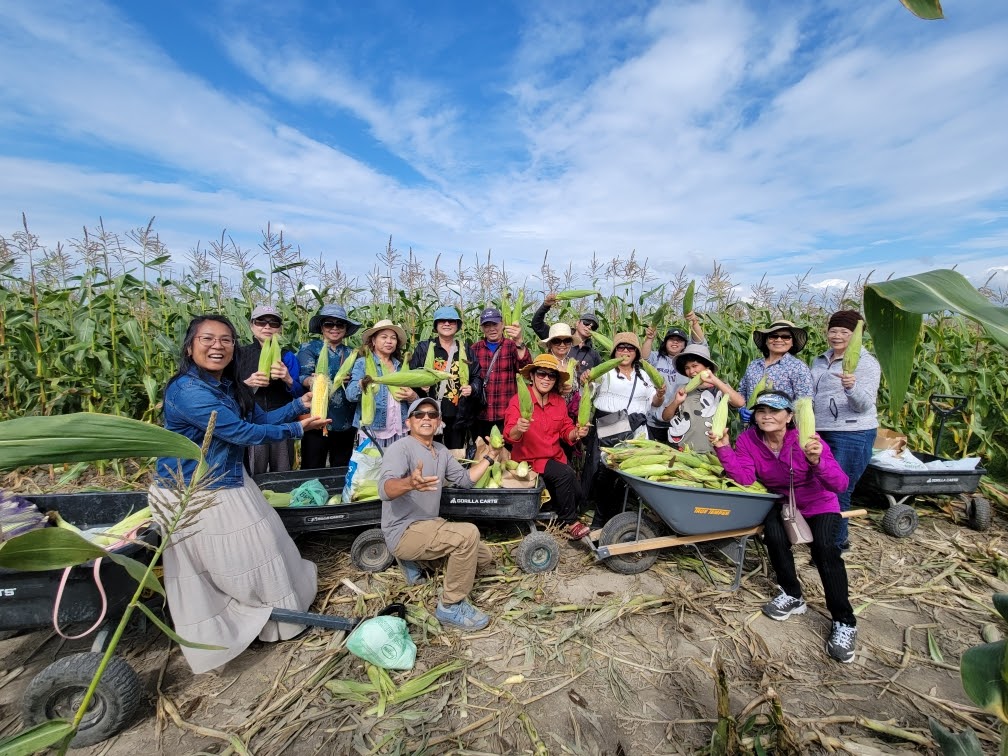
<point>853,354</point>
<point>603,342</point>
<point>566,296</point>
<point>320,395</point>
<point>599,370</point>
<point>522,471</point>
<point>720,419</point>
<point>687,300</point>
<point>805,420</point>
<point>496,439</point>
<point>524,397</point>
<point>760,387</point>
<point>656,378</point>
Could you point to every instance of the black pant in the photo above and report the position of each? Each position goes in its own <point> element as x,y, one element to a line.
<point>825,552</point>
<point>658,434</point>
<point>608,492</point>
<point>455,433</point>
<point>564,490</point>
<point>277,456</point>
<point>327,451</point>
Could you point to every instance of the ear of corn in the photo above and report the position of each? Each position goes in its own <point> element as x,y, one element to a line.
<point>519,306</point>
<point>687,300</point>
<point>496,439</point>
<point>522,471</point>
<point>585,407</point>
<point>266,356</point>
<point>367,403</point>
<point>320,395</point>
<point>566,296</point>
<point>805,420</point>
<point>417,378</point>
<point>599,370</point>
<point>123,528</point>
<point>428,362</point>
<point>720,419</point>
<point>322,363</point>
<point>524,397</point>
<point>463,363</point>
<point>496,475</point>
<point>853,354</point>
<point>483,479</point>
<point>603,343</point>
<point>505,307</point>
<point>277,355</point>
<point>656,378</point>
<point>760,387</point>
<point>344,370</point>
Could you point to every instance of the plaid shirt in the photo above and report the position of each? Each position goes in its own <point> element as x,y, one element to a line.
<point>499,385</point>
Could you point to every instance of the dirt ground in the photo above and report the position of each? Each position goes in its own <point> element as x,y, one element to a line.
<point>585,661</point>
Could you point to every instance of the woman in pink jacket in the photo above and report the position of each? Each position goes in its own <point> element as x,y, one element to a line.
<point>770,453</point>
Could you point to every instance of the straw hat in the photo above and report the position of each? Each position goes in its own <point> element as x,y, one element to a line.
<point>383,325</point>
<point>698,352</point>
<point>556,331</point>
<point>625,337</point>
<point>547,362</point>
<point>800,335</point>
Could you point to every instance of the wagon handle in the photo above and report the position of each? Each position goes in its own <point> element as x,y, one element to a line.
<point>944,406</point>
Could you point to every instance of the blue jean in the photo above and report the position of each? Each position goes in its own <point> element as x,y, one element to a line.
<point>852,451</point>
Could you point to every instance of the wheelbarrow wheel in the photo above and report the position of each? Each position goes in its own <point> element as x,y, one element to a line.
<point>537,552</point>
<point>623,529</point>
<point>59,688</point>
<point>369,552</point>
<point>899,521</point>
<point>978,513</point>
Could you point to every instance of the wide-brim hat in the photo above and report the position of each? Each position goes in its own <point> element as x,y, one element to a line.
<point>698,352</point>
<point>447,312</point>
<point>799,336</point>
<point>556,331</point>
<point>384,325</point>
<point>332,312</point>
<point>547,362</point>
<point>625,337</point>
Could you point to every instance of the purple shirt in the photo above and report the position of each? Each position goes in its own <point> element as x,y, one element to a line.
<point>816,488</point>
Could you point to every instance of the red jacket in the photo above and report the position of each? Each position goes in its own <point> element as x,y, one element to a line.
<point>541,442</point>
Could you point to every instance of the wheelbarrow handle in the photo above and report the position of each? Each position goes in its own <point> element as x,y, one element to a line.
<point>328,621</point>
<point>939,402</point>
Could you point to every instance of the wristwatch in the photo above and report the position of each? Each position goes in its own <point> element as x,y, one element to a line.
<point>489,459</point>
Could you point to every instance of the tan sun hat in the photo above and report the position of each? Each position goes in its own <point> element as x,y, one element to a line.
<point>625,337</point>
<point>547,362</point>
<point>383,325</point>
<point>557,331</point>
<point>799,336</point>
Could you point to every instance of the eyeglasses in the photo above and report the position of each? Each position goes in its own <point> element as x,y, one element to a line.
<point>207,340</point>
<point>590,324</point>
<point>625,348</point>
<point>428,414</point>
<point>547,374</point>
<point>264,322</point>
<point>779,337</point>
<point>333,324</point>
<point>562,342</point>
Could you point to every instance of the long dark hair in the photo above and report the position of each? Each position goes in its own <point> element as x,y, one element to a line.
<point>663,349</point>
<point>240,390</point>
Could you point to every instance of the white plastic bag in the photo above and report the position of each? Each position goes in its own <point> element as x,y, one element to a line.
<point>364,468</point>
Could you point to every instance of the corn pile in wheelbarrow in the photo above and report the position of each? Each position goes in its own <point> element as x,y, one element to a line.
<point>664,464</point>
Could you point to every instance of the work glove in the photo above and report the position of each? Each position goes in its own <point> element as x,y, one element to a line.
<point>745,415</point>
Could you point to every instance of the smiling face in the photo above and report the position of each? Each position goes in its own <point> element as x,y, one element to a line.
<point>674,345</point>
<point>838,338</point>
<point>545,380</point>
<point>263,328</point>
<point>585,329</point>
<point>694,367</point>
<point>770,420</point>
<point>560,347</point>
<point>446,328</point>
<point>385,342</point>
<point>421,424</point>
<point>334,331</point>
<point>779,342</point>
<point>492,332</point>
<point>212,347</point>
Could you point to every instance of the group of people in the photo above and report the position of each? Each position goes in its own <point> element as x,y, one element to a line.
<point>224,578</point>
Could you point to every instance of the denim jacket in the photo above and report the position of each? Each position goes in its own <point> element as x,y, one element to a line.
<point>341,409</point>
<point>382,398</point>
<point>188,402</point>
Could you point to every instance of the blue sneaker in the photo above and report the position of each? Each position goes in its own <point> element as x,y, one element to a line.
<point>412,572</point>
<point>462,615</point>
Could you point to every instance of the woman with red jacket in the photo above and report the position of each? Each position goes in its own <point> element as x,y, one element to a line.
<point>537,440</point>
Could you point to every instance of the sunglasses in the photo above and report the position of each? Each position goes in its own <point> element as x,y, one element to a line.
<point>264,322</point>
<point>563,342</point>
<point>590,324</point>
<point>548,374</point>
<point>779,337</point>
<point>625,348</point>
<point>333,324</point>
<point>428,414</point>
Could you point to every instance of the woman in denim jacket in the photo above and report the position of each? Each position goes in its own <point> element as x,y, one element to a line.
<point>226,570</point>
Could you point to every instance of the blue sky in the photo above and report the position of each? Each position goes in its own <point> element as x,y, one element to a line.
<point>773,137</point>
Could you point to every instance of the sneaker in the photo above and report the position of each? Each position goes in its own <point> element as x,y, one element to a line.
<point>412,572</point>
<point>841,642</point>
<point>462,615</point>
<point>783,606</point>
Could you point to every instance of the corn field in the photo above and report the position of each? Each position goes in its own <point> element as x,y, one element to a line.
<point>95,323</point>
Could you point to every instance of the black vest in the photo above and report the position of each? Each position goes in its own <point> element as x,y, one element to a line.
<point>271,397</point>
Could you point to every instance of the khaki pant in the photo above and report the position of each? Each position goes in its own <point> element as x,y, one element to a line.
<point>427,540</point>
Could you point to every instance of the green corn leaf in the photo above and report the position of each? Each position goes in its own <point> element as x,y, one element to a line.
<point>37,738</point>
<point>84,437</point>
<point>952,743</point>
<point>171,633</point>
<point>933,648</point>
<point>929,10</point>
<point>981,671</point>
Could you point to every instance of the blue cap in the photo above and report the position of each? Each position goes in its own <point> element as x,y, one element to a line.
<point>774,400</point>
<point>332,312</point>
<point>447,312</point>
<point>491,315</point>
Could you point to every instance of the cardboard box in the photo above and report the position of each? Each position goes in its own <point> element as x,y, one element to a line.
<point>889,439</point>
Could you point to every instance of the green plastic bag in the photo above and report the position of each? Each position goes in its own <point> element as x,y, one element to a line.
<point>384,641</point>
<point>311,493</point>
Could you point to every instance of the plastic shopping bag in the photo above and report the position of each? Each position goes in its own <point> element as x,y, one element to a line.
<point>384,641</point>
<point>361,482</point>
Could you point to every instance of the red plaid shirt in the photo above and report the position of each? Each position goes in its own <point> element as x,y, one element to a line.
<point>499,385</point>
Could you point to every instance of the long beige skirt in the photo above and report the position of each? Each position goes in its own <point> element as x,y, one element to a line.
<point>225,573</point>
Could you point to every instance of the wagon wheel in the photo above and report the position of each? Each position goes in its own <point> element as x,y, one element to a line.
<point>978,513</point>
<point>58,689</point>
<point>623,529</point>
<point>900,520</point>
<point>369,552</point>
<point>537,552</point>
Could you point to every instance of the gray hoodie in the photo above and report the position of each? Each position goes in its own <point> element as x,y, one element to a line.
<point>837,409</point>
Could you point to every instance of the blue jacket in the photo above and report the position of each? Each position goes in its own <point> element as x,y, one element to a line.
<point>188,402</point>
<point>382,399</point>
<point>341,409</point>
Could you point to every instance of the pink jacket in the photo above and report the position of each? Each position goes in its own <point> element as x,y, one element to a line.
<point>816,488</point>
